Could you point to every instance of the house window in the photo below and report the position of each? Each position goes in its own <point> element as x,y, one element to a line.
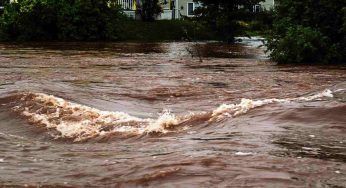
<point>190,9</point>
<point>256,8</point>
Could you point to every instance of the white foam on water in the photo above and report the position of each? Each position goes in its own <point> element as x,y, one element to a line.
<point>80,122</point>
<point>164,122</point>
<point>232,110</point>
<point>73,120</point>
<point>239,153</point>
<point>251,42</point>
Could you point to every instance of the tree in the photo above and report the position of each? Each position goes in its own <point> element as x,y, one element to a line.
<point>149,9</point>
<point>225,16</point>
<point>309,31</point>
<point>61,20</point>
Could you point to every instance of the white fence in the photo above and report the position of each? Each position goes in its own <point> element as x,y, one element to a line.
<point>127,4</point>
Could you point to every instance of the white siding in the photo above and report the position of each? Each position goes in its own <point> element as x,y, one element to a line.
<point>267,4</point>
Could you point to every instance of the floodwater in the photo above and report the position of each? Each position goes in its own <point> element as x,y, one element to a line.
<point>168,115</point>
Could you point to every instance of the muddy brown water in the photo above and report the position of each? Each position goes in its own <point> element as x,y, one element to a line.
<point>168,115</point>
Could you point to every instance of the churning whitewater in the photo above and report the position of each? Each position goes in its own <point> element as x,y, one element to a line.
<point>79,122</point>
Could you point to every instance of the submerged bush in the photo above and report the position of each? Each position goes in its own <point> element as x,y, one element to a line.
<point>225,17</point>
<point>165,30</point>
<point>61,20</point>
<point>308,31</point>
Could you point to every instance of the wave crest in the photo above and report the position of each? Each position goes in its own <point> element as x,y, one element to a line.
<point>79,122</point>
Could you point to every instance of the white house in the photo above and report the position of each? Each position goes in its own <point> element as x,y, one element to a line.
<point>129,7</point>
<point>266,5</point>
<point>172,9</point>
<point>183,8</point>
<point>187,7</point>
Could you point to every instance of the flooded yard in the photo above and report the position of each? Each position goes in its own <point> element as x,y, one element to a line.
<point>173,114</point>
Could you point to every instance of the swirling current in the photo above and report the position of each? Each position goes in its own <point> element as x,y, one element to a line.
<point>157,115</point>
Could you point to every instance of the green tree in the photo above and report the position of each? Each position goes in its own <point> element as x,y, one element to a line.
<point>308,31</point>
<point>61,20</point>
<point>149,10</point>
<point>225,16</point>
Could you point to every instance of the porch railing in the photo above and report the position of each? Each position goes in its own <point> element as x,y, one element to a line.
<point>127,4</point>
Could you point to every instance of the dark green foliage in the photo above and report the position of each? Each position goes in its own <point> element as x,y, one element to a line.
<point>261,23</point>
<point>301,45</point>
<point>88,20</point>
<point>149,10</point>
<point>165,30</point>
<point>309,31</point>
<point>226,16</point>
<point>61,20</point>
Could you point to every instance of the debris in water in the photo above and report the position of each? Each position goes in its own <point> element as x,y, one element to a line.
<point>243,153</point>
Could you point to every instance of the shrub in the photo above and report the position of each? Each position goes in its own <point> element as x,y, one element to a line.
<point>300,45</point>
<point>308,31</point>
<point>261,23</point>
<point>149,10</point>
<point>165,30</point>
<point>61,20</point>
<point>225,16</point>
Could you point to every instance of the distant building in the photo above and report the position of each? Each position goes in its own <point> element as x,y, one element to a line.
<point>167,10</point>
<point>129,7</point>
<point>266,5</point>
<point>171,9</point>
<point>186,8</point>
